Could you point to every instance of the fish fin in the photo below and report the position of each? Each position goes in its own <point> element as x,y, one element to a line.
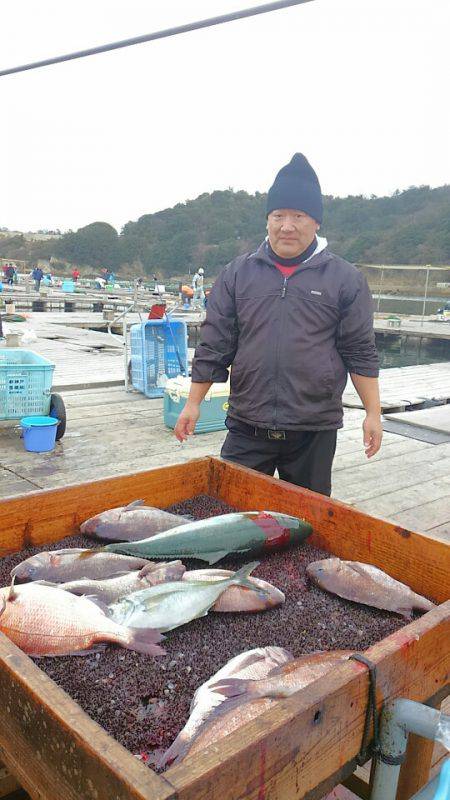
<point>404,611</point>
<point>279,655</point>
<point>133,505</point>
<point>55,561</point>
<point>99,603</point>
<point>52,584</point>
<point>211,558</point>
<point>143,640</point>
<point>90,552</point>
<point>12,594</point>
<point>175,752</point>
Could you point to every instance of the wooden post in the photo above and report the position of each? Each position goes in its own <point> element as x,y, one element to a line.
<point>415,770</point>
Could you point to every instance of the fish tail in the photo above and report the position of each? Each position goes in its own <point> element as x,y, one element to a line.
<point>175,752</point>
<point>235,687</point>
<point>241,578</point>
<point>142,640</point>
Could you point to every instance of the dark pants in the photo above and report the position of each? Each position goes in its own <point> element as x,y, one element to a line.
<point>304,458</point>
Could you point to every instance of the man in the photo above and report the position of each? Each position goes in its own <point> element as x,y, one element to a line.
<point>37,276</point>
<point>197,285</point>
<point>292,319</point>
<point>9,274</point>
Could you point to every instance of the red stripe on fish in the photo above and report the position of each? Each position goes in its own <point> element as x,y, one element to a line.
<point>275,534</point>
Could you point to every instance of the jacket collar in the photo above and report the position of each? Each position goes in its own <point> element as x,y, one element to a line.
<point>318,258</point>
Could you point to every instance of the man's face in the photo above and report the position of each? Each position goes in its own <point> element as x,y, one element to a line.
<point>290,231</point>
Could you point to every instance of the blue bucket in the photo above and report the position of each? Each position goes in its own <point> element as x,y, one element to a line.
<point>39,433</point>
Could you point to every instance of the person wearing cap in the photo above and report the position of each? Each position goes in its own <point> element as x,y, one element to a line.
<point>292,320</point>
<point>197,285</point>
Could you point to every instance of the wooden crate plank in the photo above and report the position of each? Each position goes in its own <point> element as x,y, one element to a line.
<point>422,562</point>
<point>294,748</point>
<point>55,749</point>
<point>8,783</point>
<point>50,515</point>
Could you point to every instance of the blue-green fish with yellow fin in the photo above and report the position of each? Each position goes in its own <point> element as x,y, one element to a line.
<point>245,532</point>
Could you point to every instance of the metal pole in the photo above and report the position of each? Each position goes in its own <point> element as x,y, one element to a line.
<point>125,349</point>
<point>379,289</point>
<point>426,293</point>
<point>400,718</point>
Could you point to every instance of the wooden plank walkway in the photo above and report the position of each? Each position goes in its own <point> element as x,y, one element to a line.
<point>111,432</point>
<point>403,387</point>
<point>410,327</point>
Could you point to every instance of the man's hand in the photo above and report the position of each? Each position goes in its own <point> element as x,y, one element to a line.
<point>187,421</point>
<point>373,434</point>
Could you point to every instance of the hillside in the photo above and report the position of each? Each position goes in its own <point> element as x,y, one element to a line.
<point>409,227</point>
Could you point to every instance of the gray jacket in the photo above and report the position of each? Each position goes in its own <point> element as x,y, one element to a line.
<point>290,341</point>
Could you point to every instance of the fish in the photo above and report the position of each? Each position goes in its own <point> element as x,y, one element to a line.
<point>239,598</point>
<point>212,539</point>
<point>71,564</point>
<point>223,724</point>
<point>364,583</point>
<point>170,605</point>
<point>130,523</point>
<point>254,664</point>
<point>44,621</point>
<point>284,680</point>
<point>111,590</point>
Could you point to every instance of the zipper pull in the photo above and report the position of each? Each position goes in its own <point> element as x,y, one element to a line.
<point>283,292</point>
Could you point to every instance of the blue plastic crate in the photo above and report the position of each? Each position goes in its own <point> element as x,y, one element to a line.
<point>137,362</point>
<point>25,383</point>
<point>157,348</point>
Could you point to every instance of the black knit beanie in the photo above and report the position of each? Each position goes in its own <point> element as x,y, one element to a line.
<point>296,186</point>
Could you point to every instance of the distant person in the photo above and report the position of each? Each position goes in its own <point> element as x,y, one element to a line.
<point>9,274</point>
<point>75,275</point>
<point>37,276</point>
<point>197,285</point>
<point>100,283</point>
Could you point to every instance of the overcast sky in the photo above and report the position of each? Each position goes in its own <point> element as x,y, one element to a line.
<point>359,86</point>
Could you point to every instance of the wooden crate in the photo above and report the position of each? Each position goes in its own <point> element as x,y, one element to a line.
<point>300,749</point>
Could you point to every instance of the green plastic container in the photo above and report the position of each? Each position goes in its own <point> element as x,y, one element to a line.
<point>213,409</point>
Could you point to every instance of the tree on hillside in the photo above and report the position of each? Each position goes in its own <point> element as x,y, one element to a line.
<point>95,244</point>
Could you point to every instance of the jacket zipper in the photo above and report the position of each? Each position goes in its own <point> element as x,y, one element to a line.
<point>283,295</point>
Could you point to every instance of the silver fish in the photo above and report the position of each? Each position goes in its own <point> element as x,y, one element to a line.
<point>364,583</point>
<point>170,605</point>
<point>70,564</point>
<point>111,590</point>
<point>131,523</point>
<point>253,664</point>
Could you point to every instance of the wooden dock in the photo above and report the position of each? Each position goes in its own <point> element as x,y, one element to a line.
<point>111,432</point>
<point>413,328</point>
